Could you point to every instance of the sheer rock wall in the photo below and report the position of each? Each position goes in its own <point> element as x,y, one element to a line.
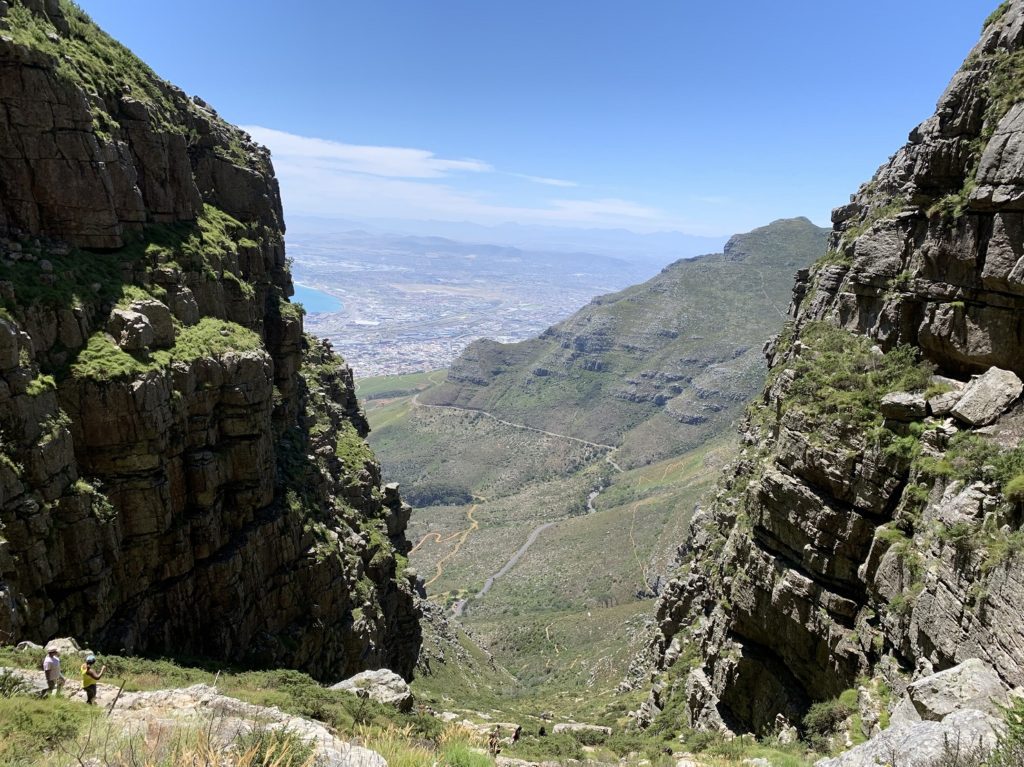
<point>876,537</point>
<point>181,469</point>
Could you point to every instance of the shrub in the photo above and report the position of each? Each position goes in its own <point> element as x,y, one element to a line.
<point>824,719</point>
<point>535,748</point>
<point>398,746</point>
<point>459,754</point>
<point>840,378</point>
<point>962,537</point>
<point>39,385</point>
<point>30,726</point>
<point>996,15</point>
<point>1010,751</point>
<point>12,684</point>
<point>1013,491</point>
<point>280,748</point>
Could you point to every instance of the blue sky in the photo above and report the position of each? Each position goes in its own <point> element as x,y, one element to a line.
<point>709,118</point>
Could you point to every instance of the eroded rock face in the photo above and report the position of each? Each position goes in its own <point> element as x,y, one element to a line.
<point>867,529</point>
<point>181,469</point>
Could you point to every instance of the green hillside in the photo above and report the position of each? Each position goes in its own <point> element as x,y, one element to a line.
<point>654,369</point>
<point>531,468</point>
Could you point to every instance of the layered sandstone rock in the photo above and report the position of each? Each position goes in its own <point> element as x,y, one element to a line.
<point>181,469</point>
<point>872,524</point>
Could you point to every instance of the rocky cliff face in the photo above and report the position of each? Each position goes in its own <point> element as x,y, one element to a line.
<point>872,527</point>
<point>181,469</point>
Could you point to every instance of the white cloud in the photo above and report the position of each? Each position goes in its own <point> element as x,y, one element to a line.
<point>387,161</point>
<point>332,179</point>
<point>545,181</point>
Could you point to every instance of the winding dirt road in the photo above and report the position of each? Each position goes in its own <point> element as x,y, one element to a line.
<point>460,605</point>
<point>462,535</point>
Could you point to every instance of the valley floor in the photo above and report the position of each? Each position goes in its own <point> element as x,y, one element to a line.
<point>539,543</point>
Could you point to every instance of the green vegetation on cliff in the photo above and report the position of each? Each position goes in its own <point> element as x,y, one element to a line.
<point>156,409</point>
<point>842,376</point>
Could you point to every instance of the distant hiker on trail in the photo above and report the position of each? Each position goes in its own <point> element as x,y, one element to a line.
<point>492,743</point>
<point>89,679</point>
<point>51,670</point>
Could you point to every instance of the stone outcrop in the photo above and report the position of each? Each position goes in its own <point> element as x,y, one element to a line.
<point>182,470</point>
<point>956,711</point>
<point>226,719</point>
<point>381,685</point>
<point>871,526</point>
<point>223,721</point>
<point>924,744</point>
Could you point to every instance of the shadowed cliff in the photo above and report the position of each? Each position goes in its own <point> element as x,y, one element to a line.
<point>181,469</point>
<point>871,530</point>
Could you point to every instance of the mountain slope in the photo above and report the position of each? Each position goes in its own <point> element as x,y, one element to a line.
<point>654,369</point>
<point>181,469</point>
<point>514,521</point>
<point>858,538</point>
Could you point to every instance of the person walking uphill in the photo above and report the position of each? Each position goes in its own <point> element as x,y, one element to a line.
<point>89,678</point>
<point>51,670</point>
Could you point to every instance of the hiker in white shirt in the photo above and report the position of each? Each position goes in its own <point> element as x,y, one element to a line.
<point>51,668</point>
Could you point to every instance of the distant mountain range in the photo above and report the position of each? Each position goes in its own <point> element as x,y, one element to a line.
<point>659,247</point>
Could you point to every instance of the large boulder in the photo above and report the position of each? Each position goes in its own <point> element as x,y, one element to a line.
<point>159,317</point>
<point>132,331</point>
<point>987,396</point>
<point>904,406</point>
<point>65,646</point>
<point>183,304</point>
<point>973,684</point>
<point>922,744</point>
<point>382,685</point>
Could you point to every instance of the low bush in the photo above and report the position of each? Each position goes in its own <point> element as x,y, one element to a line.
<point>280,748</point>
<point>459,754</point>
<point>32,726</point>
<point>841,378</point>
<point>537,748</point>
<point>825,718</point>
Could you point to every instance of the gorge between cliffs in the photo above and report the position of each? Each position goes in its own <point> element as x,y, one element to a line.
<point>600,567</point>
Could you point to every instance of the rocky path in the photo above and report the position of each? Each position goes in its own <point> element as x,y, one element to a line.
<point>462,535</point>
<point>768,298</point>
<point>514,558</point>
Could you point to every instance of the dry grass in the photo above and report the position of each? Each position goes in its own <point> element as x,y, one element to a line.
<point>161,744</point>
